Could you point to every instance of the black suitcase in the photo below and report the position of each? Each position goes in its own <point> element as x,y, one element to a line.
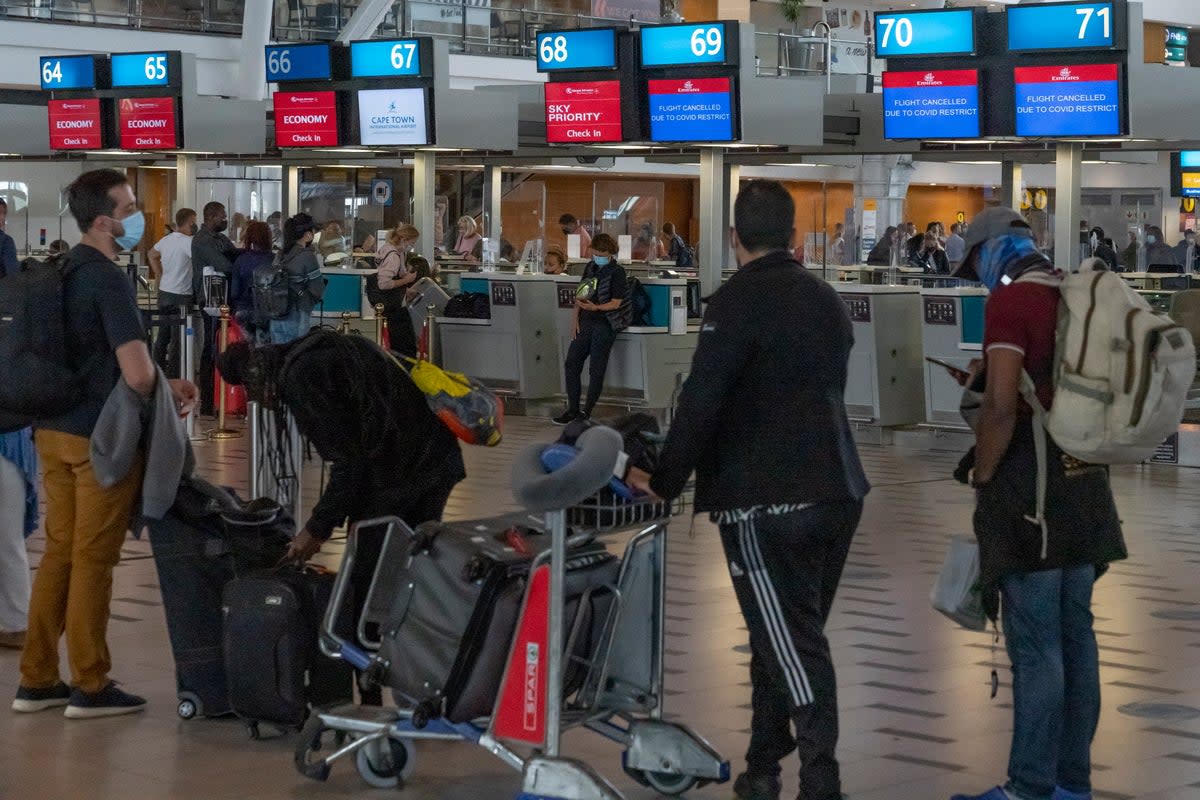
<point>207,538</point>
<point>455,610</point>
<point>276,670</point>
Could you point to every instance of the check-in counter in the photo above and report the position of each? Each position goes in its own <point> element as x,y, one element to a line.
<point>1157,281</point>
<point>514,351</point>
<point>952,331</point>
<point>884,384</point>
<point>648,362</point>
<point>345,292</point>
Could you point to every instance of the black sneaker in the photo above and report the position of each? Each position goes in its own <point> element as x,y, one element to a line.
<point>756,787</point>
<point>108,702</point>
<point>567,418</point>
<point>29,700</point>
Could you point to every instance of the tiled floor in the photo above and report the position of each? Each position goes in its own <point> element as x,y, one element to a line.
<point>917,722</point>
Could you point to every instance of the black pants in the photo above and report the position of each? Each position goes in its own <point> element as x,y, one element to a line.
<point>594,342</point>
<point>166,343</point>
<point>207,363</point>
<point>785,571</point>
<point>400,331</point>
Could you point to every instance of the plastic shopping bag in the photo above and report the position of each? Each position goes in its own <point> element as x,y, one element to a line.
<point>956,592</point>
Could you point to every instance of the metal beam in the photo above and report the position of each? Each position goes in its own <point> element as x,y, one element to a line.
<point>366,20</point>
<point>185,182</point>
<point>1068,169</point>
<point>1012,183</point>
<point>714,219</point>
<point>256,34</point>
<point>493,196</point>
<point>424,189</point>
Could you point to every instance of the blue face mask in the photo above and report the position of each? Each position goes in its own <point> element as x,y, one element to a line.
<point>997,254</point>
<point>135,228</point>
<point>1151,239</point>
<point>601,261</point>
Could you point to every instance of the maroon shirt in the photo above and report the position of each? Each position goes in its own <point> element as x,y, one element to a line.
<point>1023,316</point>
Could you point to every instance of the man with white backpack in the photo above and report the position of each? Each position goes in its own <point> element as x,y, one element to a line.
<point>1046,522</point>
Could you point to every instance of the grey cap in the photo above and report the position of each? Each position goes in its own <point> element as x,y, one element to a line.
<point>989,223</point>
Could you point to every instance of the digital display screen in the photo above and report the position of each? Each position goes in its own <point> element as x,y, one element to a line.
<point>684,45</point>
<point>306,119</point>
<point>388,58</point>
<point>583,112</point>
<point>298,62</point>
<point>931,33</point>
<point>68,72</point>
<point>1069,101</point>
<point>1185,174</point>
<point>148,123</point>
<point>141,69</point>
<point>582,49</point>
<point>76,125</point>
<point>695,110</point>
<point>939,104</point>
<point>1061,26</point>
<point>393,117</point>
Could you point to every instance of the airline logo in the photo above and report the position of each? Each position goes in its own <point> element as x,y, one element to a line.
<point>306,119</point>
<point>148,123</point>
<point>693,86</point>
<point>75,125</point>
<point>583,112</point>
<point>930,79</point>
<point>1080,73</point>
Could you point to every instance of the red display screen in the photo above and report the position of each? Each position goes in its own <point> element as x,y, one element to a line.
<point>148,123</point>
<point>75,125</point>
<point>587,111</point>
<point>306,119</point>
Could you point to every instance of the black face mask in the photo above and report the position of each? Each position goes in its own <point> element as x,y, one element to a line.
<point>567,231</point>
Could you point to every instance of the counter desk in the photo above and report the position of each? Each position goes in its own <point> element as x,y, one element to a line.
<point>952,331</point>
<point>345,291</point>
<point>884,378</point>
<point>1157,281</point>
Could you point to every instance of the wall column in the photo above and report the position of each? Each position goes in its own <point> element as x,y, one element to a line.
<point>714,218</point>
<point>424,189</point>
<point>185,183</point>
<point>1012,184</point>
<point>1068,178</point>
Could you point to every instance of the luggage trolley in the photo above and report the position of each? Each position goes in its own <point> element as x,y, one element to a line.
<point>621,696</point>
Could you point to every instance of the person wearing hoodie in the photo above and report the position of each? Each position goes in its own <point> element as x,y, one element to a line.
<point>304,275</point>
<point>1158,252</point>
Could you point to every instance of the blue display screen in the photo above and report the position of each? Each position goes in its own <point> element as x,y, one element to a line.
<point>940,104</point>
<point>304,62</point>
<point>675,45</point>
<point>934,33</point>
<point>582,49</point>
<point>141,69</point>
<point>385,59</point>
<point>1189,158</point>
<point>1069,101</point>
<point>1072,26</point>
<point>68,72</point>
<point>696,110</point>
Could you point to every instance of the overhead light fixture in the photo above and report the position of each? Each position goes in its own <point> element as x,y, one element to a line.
<point>976,163</point>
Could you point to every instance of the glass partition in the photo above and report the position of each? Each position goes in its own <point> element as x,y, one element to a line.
<point>523,214</point>
<point>630,209</point>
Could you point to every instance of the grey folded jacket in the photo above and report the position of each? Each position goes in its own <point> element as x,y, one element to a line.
<point>127,423</point>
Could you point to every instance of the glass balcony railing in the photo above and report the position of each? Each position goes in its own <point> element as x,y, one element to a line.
<point>193,16</point>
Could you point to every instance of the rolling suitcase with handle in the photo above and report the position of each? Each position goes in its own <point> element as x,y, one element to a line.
<point>276,671</point>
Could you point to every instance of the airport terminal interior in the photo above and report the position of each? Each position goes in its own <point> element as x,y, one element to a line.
<point>495,142</point>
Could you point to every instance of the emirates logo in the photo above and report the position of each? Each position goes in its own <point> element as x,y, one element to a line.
<point>929,77</point>
<point>688,87</point>
<point>929,80</point>
<point>1065,74</point>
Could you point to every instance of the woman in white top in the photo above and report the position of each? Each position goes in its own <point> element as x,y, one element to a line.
<point>468,235</point>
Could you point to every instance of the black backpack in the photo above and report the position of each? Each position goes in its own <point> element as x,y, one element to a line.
<point>685,257</point>
<point>272,292</point>
<point>469,305</point>
<point>37,379</point>
<point>639,302</point>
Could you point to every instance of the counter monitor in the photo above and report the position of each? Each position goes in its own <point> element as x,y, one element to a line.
<point>76,124</point>
<point>393,117</point>
<point>298,62</point>
<point>306,119</point>
<point>145,69</point>
<point>593,48</point>
<point>148,123</point>
<point>686,45</point>
<point>925,33</point>
<point>588,111</point>
<point>938,104</point>
<point>1062,26</point>
<point>386,58</point>
<point>68,72</point>
<point>1185,174</point>
<point>692,110</point>
<point>1079,100</point>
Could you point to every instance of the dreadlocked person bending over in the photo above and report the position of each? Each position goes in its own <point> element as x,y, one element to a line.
<point>390,455</point>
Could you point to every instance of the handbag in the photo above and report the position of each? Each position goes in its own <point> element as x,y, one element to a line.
<point>956,591</point>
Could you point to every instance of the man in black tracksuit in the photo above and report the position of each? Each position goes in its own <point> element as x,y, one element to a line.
<point>762,421</point>
<point>210,248</point>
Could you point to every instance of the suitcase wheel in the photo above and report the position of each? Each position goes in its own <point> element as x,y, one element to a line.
<point>386,763</point>
<point>189,707</point>
<point>665,783</point>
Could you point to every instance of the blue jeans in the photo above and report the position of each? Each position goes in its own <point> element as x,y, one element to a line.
<point>1056,679</point>
<point>292,327</point>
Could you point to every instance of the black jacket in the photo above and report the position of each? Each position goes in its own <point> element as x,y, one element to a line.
<point>762,416</point>
<point>932,261</point>
<point>210,250</point>
<point>1108,256</point>
<point>365,416</point>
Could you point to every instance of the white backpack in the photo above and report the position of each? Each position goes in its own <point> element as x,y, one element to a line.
<point>1122,372</point>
